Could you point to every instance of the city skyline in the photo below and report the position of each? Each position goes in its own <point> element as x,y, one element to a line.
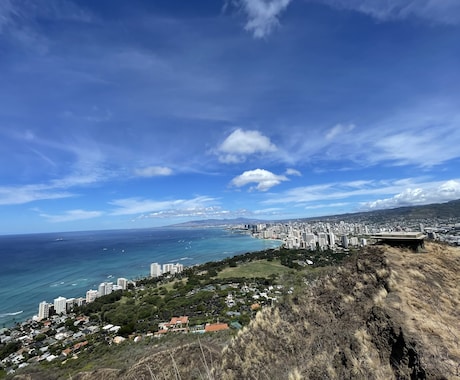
<point>147,114</point>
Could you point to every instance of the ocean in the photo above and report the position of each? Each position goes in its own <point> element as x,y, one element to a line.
<point>42,267</point>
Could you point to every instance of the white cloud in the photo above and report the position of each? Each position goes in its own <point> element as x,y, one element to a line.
<point>342,190</point>
<point>72,215</point>
<point>339,129</point>
<point>132,206</point>
<point>15,195</point>
<point>436,192</point>
<point>425,134</point>
<point>199,213</point>
<point>441,11</point>
<point>424,147</point>
<point>326,205</point>
<point>153,171</point>
<point>383,194</point>
<point>240,144</point>
<point>294,172</point>
<point>54,189</point>
<point>262,15</point>
<point>263,178</point>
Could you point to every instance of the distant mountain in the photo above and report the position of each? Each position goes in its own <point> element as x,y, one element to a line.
<point>444,211</point>
<point>217,222</point>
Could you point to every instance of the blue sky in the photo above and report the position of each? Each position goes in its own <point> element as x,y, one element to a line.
<point>118,114</point>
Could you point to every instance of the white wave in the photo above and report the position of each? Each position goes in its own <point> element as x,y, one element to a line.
<point>11,314</point>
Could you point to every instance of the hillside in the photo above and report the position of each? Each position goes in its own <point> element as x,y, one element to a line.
<point>438,211</point>
<point>390,314</point>
<point>386,313</point>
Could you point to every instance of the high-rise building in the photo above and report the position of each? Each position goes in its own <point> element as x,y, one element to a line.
<point>104,288</point>
<point>155,270</point>
<point>60,305</point>
<point>108,287</point>
<point>331,238</point>
<point>122,283</point>
<point>70,302</point>
<point>167,268</point>
<point>43,310</point>
<point>172,268</point>
<point>91,295</point>
<point>80,301</point>
<point>101,289</point>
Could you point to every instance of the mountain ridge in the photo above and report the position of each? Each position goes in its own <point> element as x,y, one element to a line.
<point>443,210</point>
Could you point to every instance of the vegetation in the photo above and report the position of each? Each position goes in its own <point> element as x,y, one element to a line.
<point>196,292</point>
<point>260,268</point>
<point>382,313</point>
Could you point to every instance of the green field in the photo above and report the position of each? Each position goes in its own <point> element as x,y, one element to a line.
<point>261,268</point>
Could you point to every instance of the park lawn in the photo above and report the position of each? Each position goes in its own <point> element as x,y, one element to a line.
<point>259,268</point>
<point>170,285</point>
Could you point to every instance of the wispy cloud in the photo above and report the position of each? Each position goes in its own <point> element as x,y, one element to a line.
<point>262,15</point>
<point>72,215</point>
<point>240,144</point>
<point>442,11</point>
<point>293,172</point>
<point>18,12</point>
<point>153,171</point>
<point>326,205</point>
<point>133,206</point>
<point>18,19</point>
<point>7,14</point>
<point>263,178</point>
<point>14,195</point>
<point>199,213</point>
<point>54,189</point>
<point>339,130</point>
<point>423,135</point>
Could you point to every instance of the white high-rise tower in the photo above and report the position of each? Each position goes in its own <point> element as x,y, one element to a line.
<point>60,305</point>
<point>43,310</point>
<point>155,270</point>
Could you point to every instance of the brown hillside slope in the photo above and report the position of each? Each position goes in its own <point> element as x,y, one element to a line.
<point>386,314</point>
<point>390,314</point>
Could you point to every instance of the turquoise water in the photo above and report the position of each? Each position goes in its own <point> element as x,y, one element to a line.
<point>41,267</point>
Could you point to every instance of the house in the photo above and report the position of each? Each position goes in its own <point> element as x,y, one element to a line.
<point>176,324</point>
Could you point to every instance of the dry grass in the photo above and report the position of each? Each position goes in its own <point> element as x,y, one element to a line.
<point>392,314</point>
<point>386,314</point>
<point>428,286</point>
<point>259,268</point>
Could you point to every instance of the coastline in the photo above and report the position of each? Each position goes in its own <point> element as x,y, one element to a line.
<point>67,287</point>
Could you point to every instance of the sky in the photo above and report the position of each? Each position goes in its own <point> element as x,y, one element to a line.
<point>145,113</point>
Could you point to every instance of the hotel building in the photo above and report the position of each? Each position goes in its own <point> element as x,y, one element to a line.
<point>60,305</point>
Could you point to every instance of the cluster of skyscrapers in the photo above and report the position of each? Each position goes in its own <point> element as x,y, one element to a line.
<point>62,305</point>
<point>313,235</point>
<point>157,270</point>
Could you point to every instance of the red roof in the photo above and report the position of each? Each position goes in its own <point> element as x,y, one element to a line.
<point>215,327</point>
<point>175,320</point>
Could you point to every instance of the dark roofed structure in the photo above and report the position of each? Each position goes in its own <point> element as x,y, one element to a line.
<point>413,240</point>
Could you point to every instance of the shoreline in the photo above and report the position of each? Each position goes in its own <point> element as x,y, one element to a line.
<point>10,319</point>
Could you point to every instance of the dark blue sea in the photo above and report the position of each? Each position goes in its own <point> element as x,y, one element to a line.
<point>41,267</point>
